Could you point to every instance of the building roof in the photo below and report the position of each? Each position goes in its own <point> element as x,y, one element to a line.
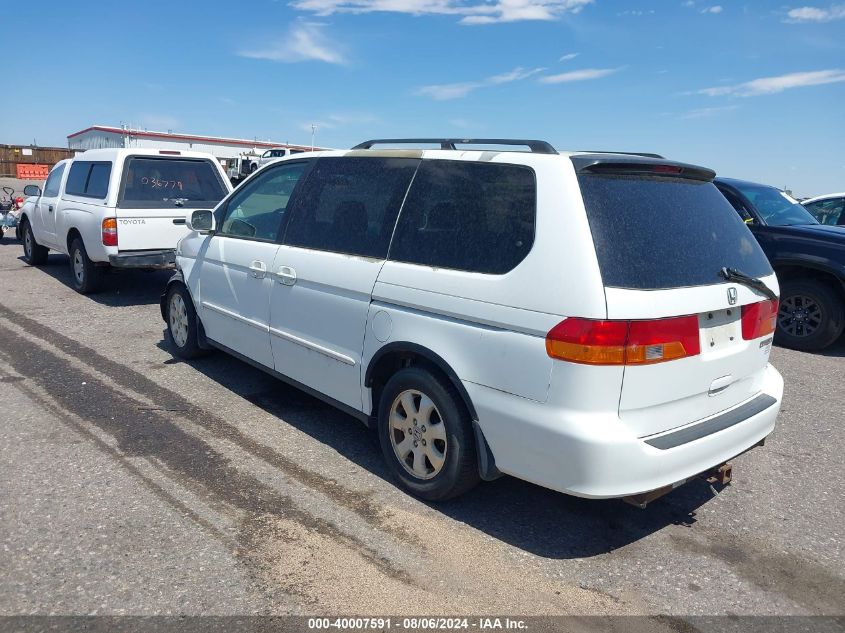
<point>187,137</point>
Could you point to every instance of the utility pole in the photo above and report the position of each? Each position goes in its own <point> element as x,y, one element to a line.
<point>313,133</point>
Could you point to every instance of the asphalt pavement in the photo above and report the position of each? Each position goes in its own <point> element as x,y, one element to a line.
<point>135,483</point>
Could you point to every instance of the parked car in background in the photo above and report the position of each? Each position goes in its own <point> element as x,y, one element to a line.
<point>271,155</point>
<point>829,209</point>
<point>549,316</point>
<point>808,257</point>
<point>117,207</point>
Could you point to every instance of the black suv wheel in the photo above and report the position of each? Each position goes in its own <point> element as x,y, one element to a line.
<point>811,315</point>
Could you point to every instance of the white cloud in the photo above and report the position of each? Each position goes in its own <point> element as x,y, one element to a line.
<point>815,14</point>
<point>772,85</point>
<point>706,113</point>
<point>578,75</point>
<point>445,92</point>
<point>470,11</point>
<point>568,57</point>
<point>305,41</point>
<point>714,9</point>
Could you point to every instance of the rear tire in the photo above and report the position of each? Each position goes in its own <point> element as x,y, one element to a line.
<point>182,322</point>
<point>33,253</point>
<point>86,277</point>
<point>426,436</point>
<point>811,315</point>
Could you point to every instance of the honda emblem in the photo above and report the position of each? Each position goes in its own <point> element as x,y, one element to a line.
<point>732,296</point>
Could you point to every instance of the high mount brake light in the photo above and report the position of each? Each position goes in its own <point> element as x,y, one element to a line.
<point>110,232</point>
<point>601,342</point>
<point>759,319</point>
<point>666,169</point>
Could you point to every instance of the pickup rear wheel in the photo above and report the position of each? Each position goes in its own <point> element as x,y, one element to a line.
<point>33,253</point>
<point>182,322</point>
<point>811,315</point>
<point>426,435</point>
<point>87,277</point>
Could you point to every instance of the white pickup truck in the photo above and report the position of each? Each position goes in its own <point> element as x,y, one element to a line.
<point>271,155</point>
<point>118,207</point>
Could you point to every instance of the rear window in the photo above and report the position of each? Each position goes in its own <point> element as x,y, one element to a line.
<point>476,217</point>
<point>151,182</point>
<point>653,233</point>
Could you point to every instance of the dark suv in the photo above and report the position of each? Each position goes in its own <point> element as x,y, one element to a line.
<point>808,257</point>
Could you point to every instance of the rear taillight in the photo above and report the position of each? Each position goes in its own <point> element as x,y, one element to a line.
<point>110,232</point>
<point>759,319</point>
<point>597,342</point>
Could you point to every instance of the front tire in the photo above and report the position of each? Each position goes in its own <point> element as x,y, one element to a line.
<point>426,436</point>
<point>182,322</point>
<point>811,315</point>
<point>87,277</point>
<point>33,253</point>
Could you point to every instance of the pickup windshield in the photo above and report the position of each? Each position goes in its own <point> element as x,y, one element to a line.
<point>653,233</point>
<point>775,207</point>
<point>150,182</point>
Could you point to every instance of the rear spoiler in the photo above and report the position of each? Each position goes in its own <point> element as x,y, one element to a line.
<point>621,165</point>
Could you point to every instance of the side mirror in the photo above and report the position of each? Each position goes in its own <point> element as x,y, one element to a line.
<point>201,220</point>
<point>32,190</point>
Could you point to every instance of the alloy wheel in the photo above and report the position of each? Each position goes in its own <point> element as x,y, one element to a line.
<point>799,315</point>
<point>178,319</point>
<point>418,434</point>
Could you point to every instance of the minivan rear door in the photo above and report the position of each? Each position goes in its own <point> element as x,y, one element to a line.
<point>662,234</point>
<point>157,192</point>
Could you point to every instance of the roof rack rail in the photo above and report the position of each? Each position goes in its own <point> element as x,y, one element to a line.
<point>645,154</point>
<point>537,147</point>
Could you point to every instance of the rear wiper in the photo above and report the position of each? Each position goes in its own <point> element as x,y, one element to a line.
<point>732,274</point>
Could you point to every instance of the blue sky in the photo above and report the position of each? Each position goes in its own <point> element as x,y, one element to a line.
<point>753,89</point>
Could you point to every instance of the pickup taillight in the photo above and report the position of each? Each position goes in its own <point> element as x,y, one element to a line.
<point>110,232</point>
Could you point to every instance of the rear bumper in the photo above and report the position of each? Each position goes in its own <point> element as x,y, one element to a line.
<point>594,455</point>
<point>144,259</point>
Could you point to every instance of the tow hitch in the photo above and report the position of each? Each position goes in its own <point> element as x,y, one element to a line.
<point>720,475</point>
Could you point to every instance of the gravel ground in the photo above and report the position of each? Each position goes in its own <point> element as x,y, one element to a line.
<point>137,484</point>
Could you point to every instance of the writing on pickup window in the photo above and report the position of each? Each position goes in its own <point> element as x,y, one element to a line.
<point>158,183</point>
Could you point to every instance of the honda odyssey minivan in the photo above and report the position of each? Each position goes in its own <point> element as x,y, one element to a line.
<point>596,323</point>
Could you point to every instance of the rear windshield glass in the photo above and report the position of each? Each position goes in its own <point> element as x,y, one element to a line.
<point>653,233</point>
<point>150,182</point>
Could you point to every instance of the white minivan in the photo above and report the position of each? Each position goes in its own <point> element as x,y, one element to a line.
<point>596,323</point>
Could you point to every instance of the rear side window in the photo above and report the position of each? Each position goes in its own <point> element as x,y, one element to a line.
<point>149,182</point>
<point>477,217</point>
<point>652,233</point>
<point>349,205</point>
<point>88,179</point>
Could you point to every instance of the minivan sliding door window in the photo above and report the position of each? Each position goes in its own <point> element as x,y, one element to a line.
<point>349,205</point>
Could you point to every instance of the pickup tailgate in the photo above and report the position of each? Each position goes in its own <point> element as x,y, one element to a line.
<point>157,193</point>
